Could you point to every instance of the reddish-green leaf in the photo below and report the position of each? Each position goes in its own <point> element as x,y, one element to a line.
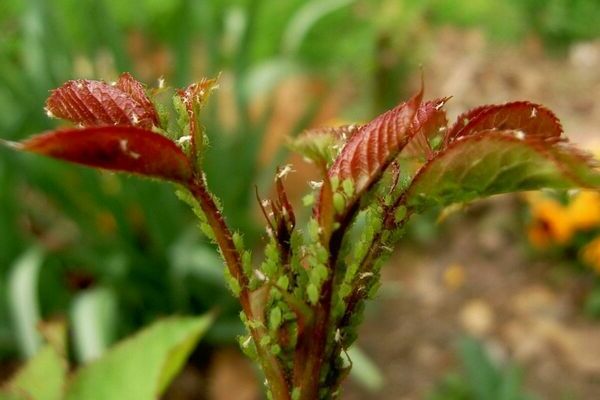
<point>370,150</point>
<point>533,120</point>
<point>117,148</point>
<point>96,103</point>
<point>322,145</point>
<point>492,162</point>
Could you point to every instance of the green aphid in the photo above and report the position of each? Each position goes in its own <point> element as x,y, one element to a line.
<point>399,214</point>
<point>283,282</point>
<point>271,251</point>
<point>275,318</point>
<point>335,183</point>
<point>247,263</point>
<point>248,347</point>
<point>339,202</point>
<point>265,341</point>
<point>321,253</point>
<point>233,284</point>
<point>238,241</point>
<point>313,293</point>
<point>321,272</point>
<point>313,230</point>
<point>348,187</point>
<point>308,200</point>
<point>275,349</point>
<point>296,393</point>
<point>270,267</point>
<point>207,230</point>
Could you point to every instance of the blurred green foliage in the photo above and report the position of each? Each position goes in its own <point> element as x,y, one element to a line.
<point>481,378</point>
<point>140,367</point>
<point>133,240</point>
<point>557,22</point>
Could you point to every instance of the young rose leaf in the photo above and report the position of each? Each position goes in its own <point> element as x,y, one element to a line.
<point>193,98</point>
<point>136,90</point>
<point>373,147</point>
<point>95,103</point>
<point>463,119</point>
<point>493,162</point>
<point>322,145</point>
<point>430,122</point>
<point>533,120</point>
<point>116,148</point>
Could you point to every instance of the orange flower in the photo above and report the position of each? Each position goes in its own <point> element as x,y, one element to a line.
<point>551,223</point>
<point>591,254</point>
<point>584,210</point>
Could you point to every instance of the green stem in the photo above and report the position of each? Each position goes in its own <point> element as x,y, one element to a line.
<point>310,378</point>
<point>271,366</point>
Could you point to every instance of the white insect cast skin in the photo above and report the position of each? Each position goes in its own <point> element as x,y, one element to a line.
<point>285,171</point>
<point>533,112</point>
<point>315,184</point>
<point>124,146</point>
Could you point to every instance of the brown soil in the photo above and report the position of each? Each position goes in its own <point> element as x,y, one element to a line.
<point>510,302</point>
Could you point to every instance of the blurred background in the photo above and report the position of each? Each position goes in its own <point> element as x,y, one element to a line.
<point>495,300</point>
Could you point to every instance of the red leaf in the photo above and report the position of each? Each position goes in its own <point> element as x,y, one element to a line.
<point>370,150</point>
<point>136,90</point>
<point>463,119</point>
<point>95,103</point>
<point>532,119</point>
<point>430,120</point>
<point>116,148</point>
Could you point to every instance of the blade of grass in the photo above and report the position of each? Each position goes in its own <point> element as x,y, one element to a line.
<point>23,300</point>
